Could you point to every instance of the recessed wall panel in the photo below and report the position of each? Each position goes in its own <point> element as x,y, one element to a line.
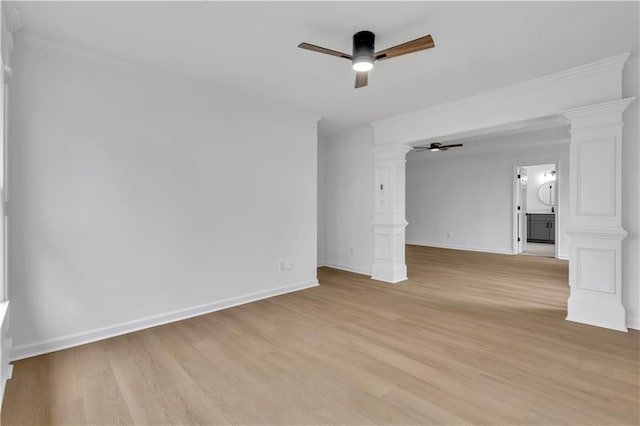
<point>383,246</point>
<point>596,269</point>
<point>596,177</point>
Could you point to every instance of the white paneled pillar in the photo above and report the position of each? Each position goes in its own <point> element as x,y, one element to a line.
<point>389,221</point>
<point>595,223</point>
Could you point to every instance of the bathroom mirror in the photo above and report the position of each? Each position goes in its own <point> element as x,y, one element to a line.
<point>547,193</point>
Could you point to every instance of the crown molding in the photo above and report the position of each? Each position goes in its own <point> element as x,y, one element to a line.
<point>617,107</point>
<point>36,42</point>
<point>26,39</point>
<point>607,64</point>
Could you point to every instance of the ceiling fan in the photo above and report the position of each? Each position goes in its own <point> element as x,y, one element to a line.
<point>364,56</point>
<point>436,147</point>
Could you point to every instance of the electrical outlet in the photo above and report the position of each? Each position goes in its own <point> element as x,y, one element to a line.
<point>286,265</point>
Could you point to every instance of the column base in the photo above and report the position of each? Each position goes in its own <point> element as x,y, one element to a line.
<point>596,313</point>
<point>389,272</point>
<point>594,276</point>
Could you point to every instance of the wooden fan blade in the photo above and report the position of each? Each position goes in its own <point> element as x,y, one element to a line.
<point>362,79</point>
<point>324,50</point>
<point>416,45</point>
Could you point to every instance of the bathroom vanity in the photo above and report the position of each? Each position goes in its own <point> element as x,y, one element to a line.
<point>541,228</point>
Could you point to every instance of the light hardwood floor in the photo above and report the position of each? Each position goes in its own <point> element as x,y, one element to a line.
<point>470,338</point>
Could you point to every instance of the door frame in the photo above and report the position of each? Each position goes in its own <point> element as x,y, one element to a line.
<point>514,202</point>
<point>517,214</point>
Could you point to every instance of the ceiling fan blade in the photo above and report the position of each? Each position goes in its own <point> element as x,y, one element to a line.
<point>451,146</point>
<point>362,79</point>
<point>416,45</point>
<point>324,50</point>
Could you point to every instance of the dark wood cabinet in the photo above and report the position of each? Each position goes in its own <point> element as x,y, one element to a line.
<point>541,228</point>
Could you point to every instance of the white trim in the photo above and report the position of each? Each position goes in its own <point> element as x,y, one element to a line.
<point>617,106</point>
<point>6,370</point>
<point>33,41</point>
<point>465,248</point>
<point>557,212</point>
<point>523,102</point>
<point>607,233</point>
<point>354,269</point>
<point>393,151</point>
<point>633,321</point>
<point>613,62</point>
<point>39,348</point>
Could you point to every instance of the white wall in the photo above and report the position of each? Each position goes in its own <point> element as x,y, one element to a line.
<point>467,203</point>
<point>535,178</point>
<point>139,197</point>
<point>631,196</point>
<point>349,201</point>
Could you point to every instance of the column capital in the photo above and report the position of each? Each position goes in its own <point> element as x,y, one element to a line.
<point>391,151</point>
<point>595,115</point>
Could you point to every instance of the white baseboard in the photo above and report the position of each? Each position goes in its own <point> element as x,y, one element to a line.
<point>39,348</point>
<point>563,257</point>
<point>455,247</point>
<point>633,322</point>
<point>6,369</point>
<point>4,382</point>
<point>354,269</point>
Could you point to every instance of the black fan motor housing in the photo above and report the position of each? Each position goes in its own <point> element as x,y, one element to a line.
<point>363,45</point>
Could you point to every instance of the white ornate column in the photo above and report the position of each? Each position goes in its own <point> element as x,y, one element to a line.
<point>389,221</point>
<point>595,223</point>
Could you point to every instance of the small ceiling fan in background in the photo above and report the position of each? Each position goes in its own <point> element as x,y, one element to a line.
<point>364,56</point>
<point>436,147</point>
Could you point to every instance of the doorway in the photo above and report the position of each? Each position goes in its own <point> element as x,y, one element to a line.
<point>535,210</point>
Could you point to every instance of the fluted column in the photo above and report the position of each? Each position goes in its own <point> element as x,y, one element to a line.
<point>389,221</point>
<point>595,222</point>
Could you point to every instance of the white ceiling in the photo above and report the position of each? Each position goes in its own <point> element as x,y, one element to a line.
<point>551,135</point>
<point>251,47</point>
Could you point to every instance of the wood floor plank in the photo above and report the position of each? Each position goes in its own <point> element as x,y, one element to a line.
<point>470,338</point>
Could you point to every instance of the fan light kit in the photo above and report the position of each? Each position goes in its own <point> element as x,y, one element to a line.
<point>436,147</point>
<point>363,55</point>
